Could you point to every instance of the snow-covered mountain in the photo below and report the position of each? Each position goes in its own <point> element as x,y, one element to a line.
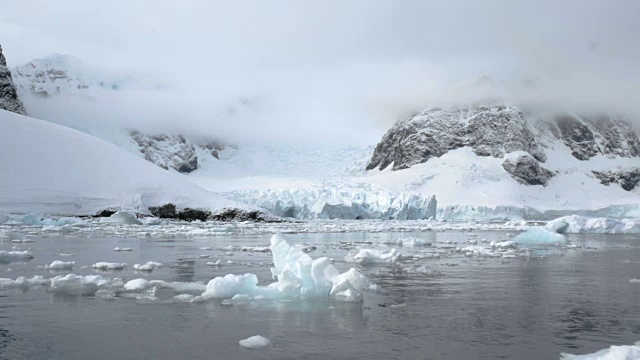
<point>495,159</point>
<point>9,99</point>
<point>481,162</point>
<point>52,169</point>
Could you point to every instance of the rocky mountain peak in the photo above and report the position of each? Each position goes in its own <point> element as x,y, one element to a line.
<point>9,99</point>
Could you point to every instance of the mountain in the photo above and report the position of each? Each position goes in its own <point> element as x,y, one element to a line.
<point>487,157</point>
<point>52,169</point>
<point>9,99</point>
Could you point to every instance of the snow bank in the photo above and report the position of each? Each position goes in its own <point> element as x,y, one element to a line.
<point>369,256</point>
<point>13,256</point>
<point>255,342</point>
<point>575,224</point>
<point>539,236</point>
<point>60,265</point>
<point>38,178</point>
<point>297,276</point>
<point>625,352</point>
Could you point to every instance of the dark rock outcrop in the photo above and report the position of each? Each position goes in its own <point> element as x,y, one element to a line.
<point>527,170</point>
<point>167,151</point>
<point>488,130</point>
<point>169,211</point>
<point>628,179</point>
<point>589,136</point>
<point>9,99</point>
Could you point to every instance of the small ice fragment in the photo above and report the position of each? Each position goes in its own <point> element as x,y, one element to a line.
<point>122,249</point>
<point>255,342</point>
<point>108,266</point>
<point>13,256</point>
<point>121,217</point>
<point>539,236</point>
<point>624,352</point>
<point>217,263</point>
<point>60,265</point>
<point>149,266</point>
<point>136,285</point>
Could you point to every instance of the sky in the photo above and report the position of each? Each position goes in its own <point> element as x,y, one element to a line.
<point>332,71</point>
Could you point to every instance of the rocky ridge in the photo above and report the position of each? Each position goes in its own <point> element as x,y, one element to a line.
<point>9,99</point>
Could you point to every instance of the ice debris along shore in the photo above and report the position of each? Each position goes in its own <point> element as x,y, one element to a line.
<point>297,277</point>
<point>623,352</point>
<point>576,224</point>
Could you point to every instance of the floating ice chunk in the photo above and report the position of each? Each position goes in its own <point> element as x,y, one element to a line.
<point>3,218</point>
<point>625,352</point>
<point>184,298</point>
<point>73,284</point>
<point>179,286</point>
<point>121,217</point>
<point>122,249</point>
<point>108,266</point>
<point>369,256</point>
<point>634,281</point>
<point>60,265</point>
<point>151,221</point>
<point>575,224</point>
<point>503,244</point>
<point>256,248</point>
<point>14,256</point>
<point>149,266</point>
<point>227,286</point>
<point>539,236</point>
<point>412,242</point>
<point>136,284</point>
<point>22,282</point>
<point>297,276</point>
<point>216,263</point>
<point>255,342</point>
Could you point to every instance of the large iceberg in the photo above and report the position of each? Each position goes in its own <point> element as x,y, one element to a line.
<point>576,224</point>
<point>296,275</point>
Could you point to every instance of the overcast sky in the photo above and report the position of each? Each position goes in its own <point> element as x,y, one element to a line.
<point>341,65</point>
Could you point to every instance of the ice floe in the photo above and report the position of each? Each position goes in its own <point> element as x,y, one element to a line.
<point>122,249</point>
<point>121,217</point>
<point>623,352</point>
<point>73,284</point>
<point>108,266</point>
<point>149,266</point>
<point>60,265</point>
<point>539,236</point>
<point>22,282</point>
<point>14,256</point>
<point>255,342</point>
<point>370,256</point>
<point>576,224</point>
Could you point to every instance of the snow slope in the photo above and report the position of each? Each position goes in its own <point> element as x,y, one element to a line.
<point>47,168</point>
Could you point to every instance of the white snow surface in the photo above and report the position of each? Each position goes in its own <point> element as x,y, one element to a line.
<point>52,169</point>
<point>575,224</point>
<point>623,352</point>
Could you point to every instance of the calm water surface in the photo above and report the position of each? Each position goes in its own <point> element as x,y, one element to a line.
<point>452,307</point>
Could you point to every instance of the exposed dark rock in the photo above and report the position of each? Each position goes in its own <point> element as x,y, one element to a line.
<point>242,215</point>
<point>527,170</point>
<point>105,213</point>
<point>9,99</point>
<point>589,136</point>
<point>488,130</point>
<point>167,151</point>
<point>167,211</point>
<point>213,147</point>
<point>628,179</point>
